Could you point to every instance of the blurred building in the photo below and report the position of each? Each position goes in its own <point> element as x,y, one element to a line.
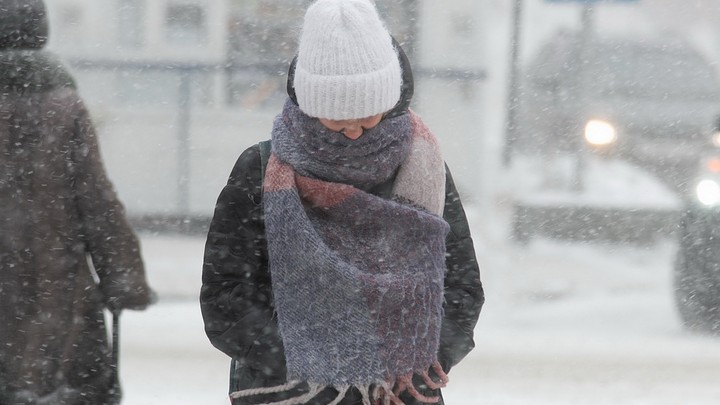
<point>168,30</point>
<point>451,65</point>
<point>127,46</point>
<point>178,88</point>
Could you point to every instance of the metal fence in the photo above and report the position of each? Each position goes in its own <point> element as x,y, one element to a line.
<point>170,132</point>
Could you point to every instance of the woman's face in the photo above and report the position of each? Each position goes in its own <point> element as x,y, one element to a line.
<point>352,129</point>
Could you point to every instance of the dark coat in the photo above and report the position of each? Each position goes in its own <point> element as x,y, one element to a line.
<point>236,296</point>
<point>66,249</point>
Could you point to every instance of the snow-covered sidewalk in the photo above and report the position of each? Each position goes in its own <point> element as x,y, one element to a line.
<point>166,358</point>
<point>563,324</point>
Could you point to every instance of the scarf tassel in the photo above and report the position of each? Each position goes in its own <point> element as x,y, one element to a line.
<point>405,384</point>
<point>382,394</point>
<point>314,390</point>
<point>385,394</point>
<point>264,390</point>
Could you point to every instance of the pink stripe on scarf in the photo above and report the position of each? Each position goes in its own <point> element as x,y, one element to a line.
<point>322,194</point>
<point>421,130</point>
<point>278,175</point>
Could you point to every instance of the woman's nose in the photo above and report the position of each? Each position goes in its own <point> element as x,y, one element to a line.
<point>353,132</point>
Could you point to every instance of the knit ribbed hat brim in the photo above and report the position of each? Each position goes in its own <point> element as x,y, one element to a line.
<point>341,97</point>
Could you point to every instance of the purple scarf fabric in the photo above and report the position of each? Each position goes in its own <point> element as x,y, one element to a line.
<point>357,279</point>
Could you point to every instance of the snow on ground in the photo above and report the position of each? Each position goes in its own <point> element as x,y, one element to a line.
<point>563,324</point>
<point>581,324</point>
<point>165,356</point>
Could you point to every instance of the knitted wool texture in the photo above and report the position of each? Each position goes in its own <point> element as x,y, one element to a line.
<point>357,279</point>
<point>347,67</point>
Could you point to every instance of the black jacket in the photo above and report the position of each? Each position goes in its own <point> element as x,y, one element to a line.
<point>236,296</point>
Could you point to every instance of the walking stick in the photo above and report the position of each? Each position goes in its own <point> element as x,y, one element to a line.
<point>115,391</point>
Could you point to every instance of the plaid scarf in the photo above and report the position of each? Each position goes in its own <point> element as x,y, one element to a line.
<point>357,279</point>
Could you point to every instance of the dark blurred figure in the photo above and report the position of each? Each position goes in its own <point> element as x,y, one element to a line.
<point>66,249</point>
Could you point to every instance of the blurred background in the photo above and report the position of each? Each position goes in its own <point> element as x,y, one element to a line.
<point>581,135</point>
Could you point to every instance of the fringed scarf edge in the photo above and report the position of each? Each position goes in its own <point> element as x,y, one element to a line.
<point>378,393</point>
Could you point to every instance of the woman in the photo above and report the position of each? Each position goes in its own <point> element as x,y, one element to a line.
<point>341,269</point>
<point>58,216</point>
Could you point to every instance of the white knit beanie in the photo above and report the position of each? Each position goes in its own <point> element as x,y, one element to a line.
<point>347,67</point>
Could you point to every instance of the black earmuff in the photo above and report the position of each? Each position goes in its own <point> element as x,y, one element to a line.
<point>291,81</point>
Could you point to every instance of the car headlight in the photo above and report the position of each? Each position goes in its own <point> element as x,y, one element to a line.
<point>716,139</point>
<point>712,165</point>
<point>600,133</point>
<point>708,192</point>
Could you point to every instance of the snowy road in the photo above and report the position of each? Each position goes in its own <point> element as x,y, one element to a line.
<point>563,324</point>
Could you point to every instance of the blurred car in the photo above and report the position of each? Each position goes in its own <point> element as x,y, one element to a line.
<point>697,264</point>
<point>649,103</point>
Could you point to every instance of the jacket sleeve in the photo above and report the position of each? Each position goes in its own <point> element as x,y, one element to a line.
<point>236,298</point>
<point>464,294</point>
<point>108,238</point>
